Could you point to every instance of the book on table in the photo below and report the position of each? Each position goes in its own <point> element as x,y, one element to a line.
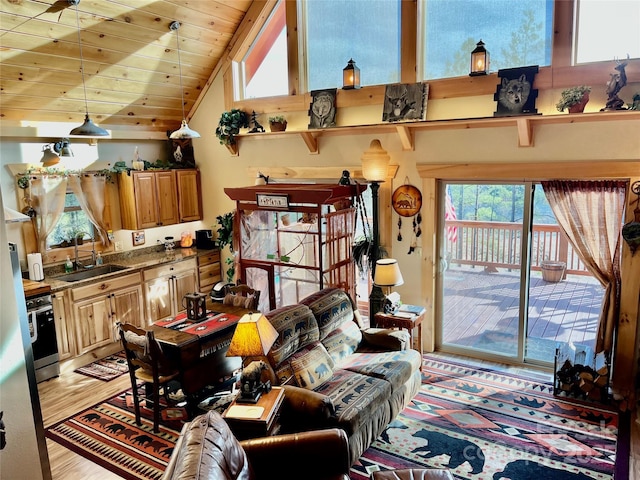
<point>412,309</point>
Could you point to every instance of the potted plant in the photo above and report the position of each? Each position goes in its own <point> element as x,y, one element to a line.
<point>277,123</point>
<point>574,99</point>
<point>225,237</point>
<point>230,124</point>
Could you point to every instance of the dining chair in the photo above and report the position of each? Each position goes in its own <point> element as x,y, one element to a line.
<point>147,363</point>
<point>242,296</point>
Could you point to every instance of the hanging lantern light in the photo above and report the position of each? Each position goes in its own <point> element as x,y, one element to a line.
<point>479,60</point>
<point>184,131</point>
<point>350,76</point>
<point>63,148</point>
<point>88,128</point>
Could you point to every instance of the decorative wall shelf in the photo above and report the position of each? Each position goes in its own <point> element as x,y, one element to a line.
<point>524,124</point>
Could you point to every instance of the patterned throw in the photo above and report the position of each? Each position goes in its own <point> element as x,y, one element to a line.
<point>483,424</point>
<point>107,434</point>
<point>106,369</point>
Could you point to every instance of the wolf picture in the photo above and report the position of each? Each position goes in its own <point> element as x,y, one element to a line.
<point>514,93</point>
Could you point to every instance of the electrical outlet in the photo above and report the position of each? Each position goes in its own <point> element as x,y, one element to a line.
<point>118,246</point>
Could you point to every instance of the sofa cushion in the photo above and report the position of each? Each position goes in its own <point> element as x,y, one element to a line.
<point>309,367</point>
<point>343,341</point>
<point>354,397</point>
<point>332,307</point>
<point>394,367</point>
<point>296,327</point>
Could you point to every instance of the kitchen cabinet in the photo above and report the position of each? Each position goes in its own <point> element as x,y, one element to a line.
<point>189,195</point>
<point>64,325</point>
<point>155,198</point>
<point>99,306</point>
<point>148,199</point>
<point>209,270</point>
<point>165,287</point>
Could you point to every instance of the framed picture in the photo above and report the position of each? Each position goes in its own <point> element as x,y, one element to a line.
<point>515,95</point>
<point>406,200</point>
<point>405,102</point>
<point>138,238</point>
<point>322,111</point>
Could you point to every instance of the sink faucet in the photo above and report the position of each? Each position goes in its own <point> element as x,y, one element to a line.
<point>78,264</point>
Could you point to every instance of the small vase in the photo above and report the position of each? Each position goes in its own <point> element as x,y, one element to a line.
<point>579,107</point>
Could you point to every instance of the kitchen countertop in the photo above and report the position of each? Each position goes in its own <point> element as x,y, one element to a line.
<point>34,289</point>
<point>133,261</point>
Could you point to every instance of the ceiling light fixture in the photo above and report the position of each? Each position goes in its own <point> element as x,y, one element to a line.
<point>184,131</point>
<point>88,128</point>
<point>49,157</point>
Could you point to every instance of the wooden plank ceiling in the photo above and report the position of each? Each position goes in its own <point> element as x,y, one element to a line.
<point>130,59</point>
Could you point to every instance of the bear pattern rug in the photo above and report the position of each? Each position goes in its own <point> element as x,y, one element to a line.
<point>493,425</point>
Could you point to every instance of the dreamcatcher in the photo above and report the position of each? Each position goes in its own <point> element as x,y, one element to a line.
<point>362,246</point>
<point>407,201</point>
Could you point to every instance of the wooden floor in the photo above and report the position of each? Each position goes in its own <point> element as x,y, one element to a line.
<point>482,307</point>
<point>64,396</point>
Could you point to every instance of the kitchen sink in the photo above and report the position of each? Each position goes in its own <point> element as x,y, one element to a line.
<point>91,272</point>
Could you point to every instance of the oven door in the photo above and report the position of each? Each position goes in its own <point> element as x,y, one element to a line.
<point>43,333</point>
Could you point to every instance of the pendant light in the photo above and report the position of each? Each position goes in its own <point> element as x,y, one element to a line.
<point>184,131</point>
<point>88,128</point>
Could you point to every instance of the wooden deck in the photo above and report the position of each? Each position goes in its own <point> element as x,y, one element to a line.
<point>481,310</point>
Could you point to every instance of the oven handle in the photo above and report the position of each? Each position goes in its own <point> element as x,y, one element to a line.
<point>34,323</point>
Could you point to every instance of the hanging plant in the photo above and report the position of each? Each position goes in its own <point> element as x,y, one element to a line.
<point>230,124</point>
<point>225,237</point>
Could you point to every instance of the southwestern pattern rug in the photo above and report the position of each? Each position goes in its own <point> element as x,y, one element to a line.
<point>106,369</point>
<point>484,424</point>
<point>108,435</point>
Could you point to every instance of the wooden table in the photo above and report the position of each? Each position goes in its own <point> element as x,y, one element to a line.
<point>201,360</point>
<point>263,424</point>
<point>403,319</point>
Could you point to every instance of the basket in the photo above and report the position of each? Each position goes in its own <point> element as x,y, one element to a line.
<point>553,271</point>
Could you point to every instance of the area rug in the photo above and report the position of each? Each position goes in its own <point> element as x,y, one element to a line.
<point>482,424</point>
<point>107,434</point>
<point>106,369</point>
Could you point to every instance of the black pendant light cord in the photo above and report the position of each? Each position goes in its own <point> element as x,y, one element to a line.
<point>84,87</point>
<point>175,26</point>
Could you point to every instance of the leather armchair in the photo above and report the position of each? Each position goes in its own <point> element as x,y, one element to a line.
<point>207,449</point>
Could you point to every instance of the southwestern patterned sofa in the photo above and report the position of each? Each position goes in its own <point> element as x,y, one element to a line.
<point>336,374</point>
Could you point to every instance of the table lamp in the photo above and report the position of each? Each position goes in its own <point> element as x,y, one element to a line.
<point>253,337</point>
<point>388,275</point>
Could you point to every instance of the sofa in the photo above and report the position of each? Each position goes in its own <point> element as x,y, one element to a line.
<point>207,450</point>
<point>337,374</point>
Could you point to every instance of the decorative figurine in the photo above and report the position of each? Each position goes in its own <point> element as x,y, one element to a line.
<point>257,128</point>
<point>345,179</point>
<point>615,84</point>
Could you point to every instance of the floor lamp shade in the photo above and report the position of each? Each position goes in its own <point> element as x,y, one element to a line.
<point>375,162</point>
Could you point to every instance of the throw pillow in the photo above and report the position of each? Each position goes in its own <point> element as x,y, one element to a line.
<point>248,302</point>
<point>311,366</point>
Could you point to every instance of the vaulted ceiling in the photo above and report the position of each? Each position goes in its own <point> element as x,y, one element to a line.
<point>130,59</point>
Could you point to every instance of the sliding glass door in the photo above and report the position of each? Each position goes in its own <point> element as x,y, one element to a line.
<point>510,285</point>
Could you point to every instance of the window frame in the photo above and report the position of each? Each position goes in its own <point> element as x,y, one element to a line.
<point>561,74</point>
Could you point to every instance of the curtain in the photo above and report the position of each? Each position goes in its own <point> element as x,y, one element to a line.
<point>90,189</point>
<point>48,194</point>
<point>591,214</point>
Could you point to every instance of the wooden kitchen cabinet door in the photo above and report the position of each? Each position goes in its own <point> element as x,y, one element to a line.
<point>189,195</point>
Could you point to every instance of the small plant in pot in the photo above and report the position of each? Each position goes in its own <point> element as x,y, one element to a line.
<point>574,99</point>
<point>277,123</point>
<point>230,124</point>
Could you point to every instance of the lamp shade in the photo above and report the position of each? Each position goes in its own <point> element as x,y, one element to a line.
<point>375,162</point>
<point>49,157</point>
<point>62,148</point>
<point>388,273</point>
<point>184,132</point>
<point>350,76</point>
<point>479,60</point>
<point>253,337</point>
<point>89,129</point>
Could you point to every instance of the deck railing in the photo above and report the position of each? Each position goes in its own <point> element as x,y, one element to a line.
<point>498,244</point>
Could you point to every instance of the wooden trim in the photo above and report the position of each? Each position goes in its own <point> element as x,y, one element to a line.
<point>408,41</point>
<point>292,48</point>
<point>530,172</point>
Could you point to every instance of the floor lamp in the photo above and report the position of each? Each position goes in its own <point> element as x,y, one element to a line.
<point>375,162</point>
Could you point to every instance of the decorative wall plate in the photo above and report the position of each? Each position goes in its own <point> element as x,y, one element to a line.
<point>406,200</point>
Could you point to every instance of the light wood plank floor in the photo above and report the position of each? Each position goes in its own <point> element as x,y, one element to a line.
<point>64,396</point>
